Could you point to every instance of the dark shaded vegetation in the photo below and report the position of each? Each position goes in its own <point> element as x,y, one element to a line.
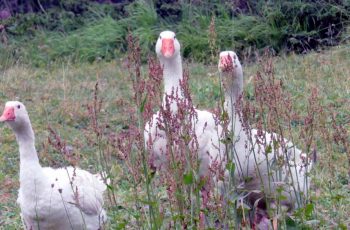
<point>42,32</point>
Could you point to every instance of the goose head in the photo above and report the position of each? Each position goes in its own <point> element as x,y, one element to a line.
<point>230,69</point>
<point>15,115</point>
<point>167,45</point>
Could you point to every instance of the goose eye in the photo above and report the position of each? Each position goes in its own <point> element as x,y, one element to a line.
<point>160,37</point>
<point>175,37</point>
<point>18,106</point>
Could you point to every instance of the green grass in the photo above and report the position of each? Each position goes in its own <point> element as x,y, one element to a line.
<point>58,96</point>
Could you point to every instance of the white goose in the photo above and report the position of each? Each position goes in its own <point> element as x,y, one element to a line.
<point>47,198</point>
<point>209,147</point>
<point>248,155</point>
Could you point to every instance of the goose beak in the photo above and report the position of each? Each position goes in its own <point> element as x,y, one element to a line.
<point>168,49</point>
<point>8,114</point>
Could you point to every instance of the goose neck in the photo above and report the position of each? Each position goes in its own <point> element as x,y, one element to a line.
<point>233,90</point>
<point>172,70</point>
<point>30,169</point>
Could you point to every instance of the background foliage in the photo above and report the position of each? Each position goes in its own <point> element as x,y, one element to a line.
<point>91,30</point>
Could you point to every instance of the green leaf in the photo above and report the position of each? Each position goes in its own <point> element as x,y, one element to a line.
<point>151,203</point>
<point>121,225</point>
<point>268,149</point>
<point>276,144</point>
<point>202,182</point>
<point>337,197</point>
<point>308,210</point>
<point>342,226</point>
<point>188,178</point>
<point>142,107</point>
<point>110,187</point>
<point>230,166</point>
<point>290,222</point>
<point>282,197</point>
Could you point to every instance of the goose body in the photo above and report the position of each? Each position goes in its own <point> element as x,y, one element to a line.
<point>204,125</point>
<point>55,199</point>
<point>254,163</point>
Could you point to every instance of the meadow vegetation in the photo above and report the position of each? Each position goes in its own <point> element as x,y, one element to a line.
<point>64,98</point>
<point>90,88</point>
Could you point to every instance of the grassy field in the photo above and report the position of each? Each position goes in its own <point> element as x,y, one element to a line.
<point>59,97</point>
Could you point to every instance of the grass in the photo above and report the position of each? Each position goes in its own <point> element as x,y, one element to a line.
<point>59,96</point>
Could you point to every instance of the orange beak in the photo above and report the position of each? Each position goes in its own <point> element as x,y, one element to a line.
<point>8,114</point>
<point>226,63</point>
<point>168,49</point>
